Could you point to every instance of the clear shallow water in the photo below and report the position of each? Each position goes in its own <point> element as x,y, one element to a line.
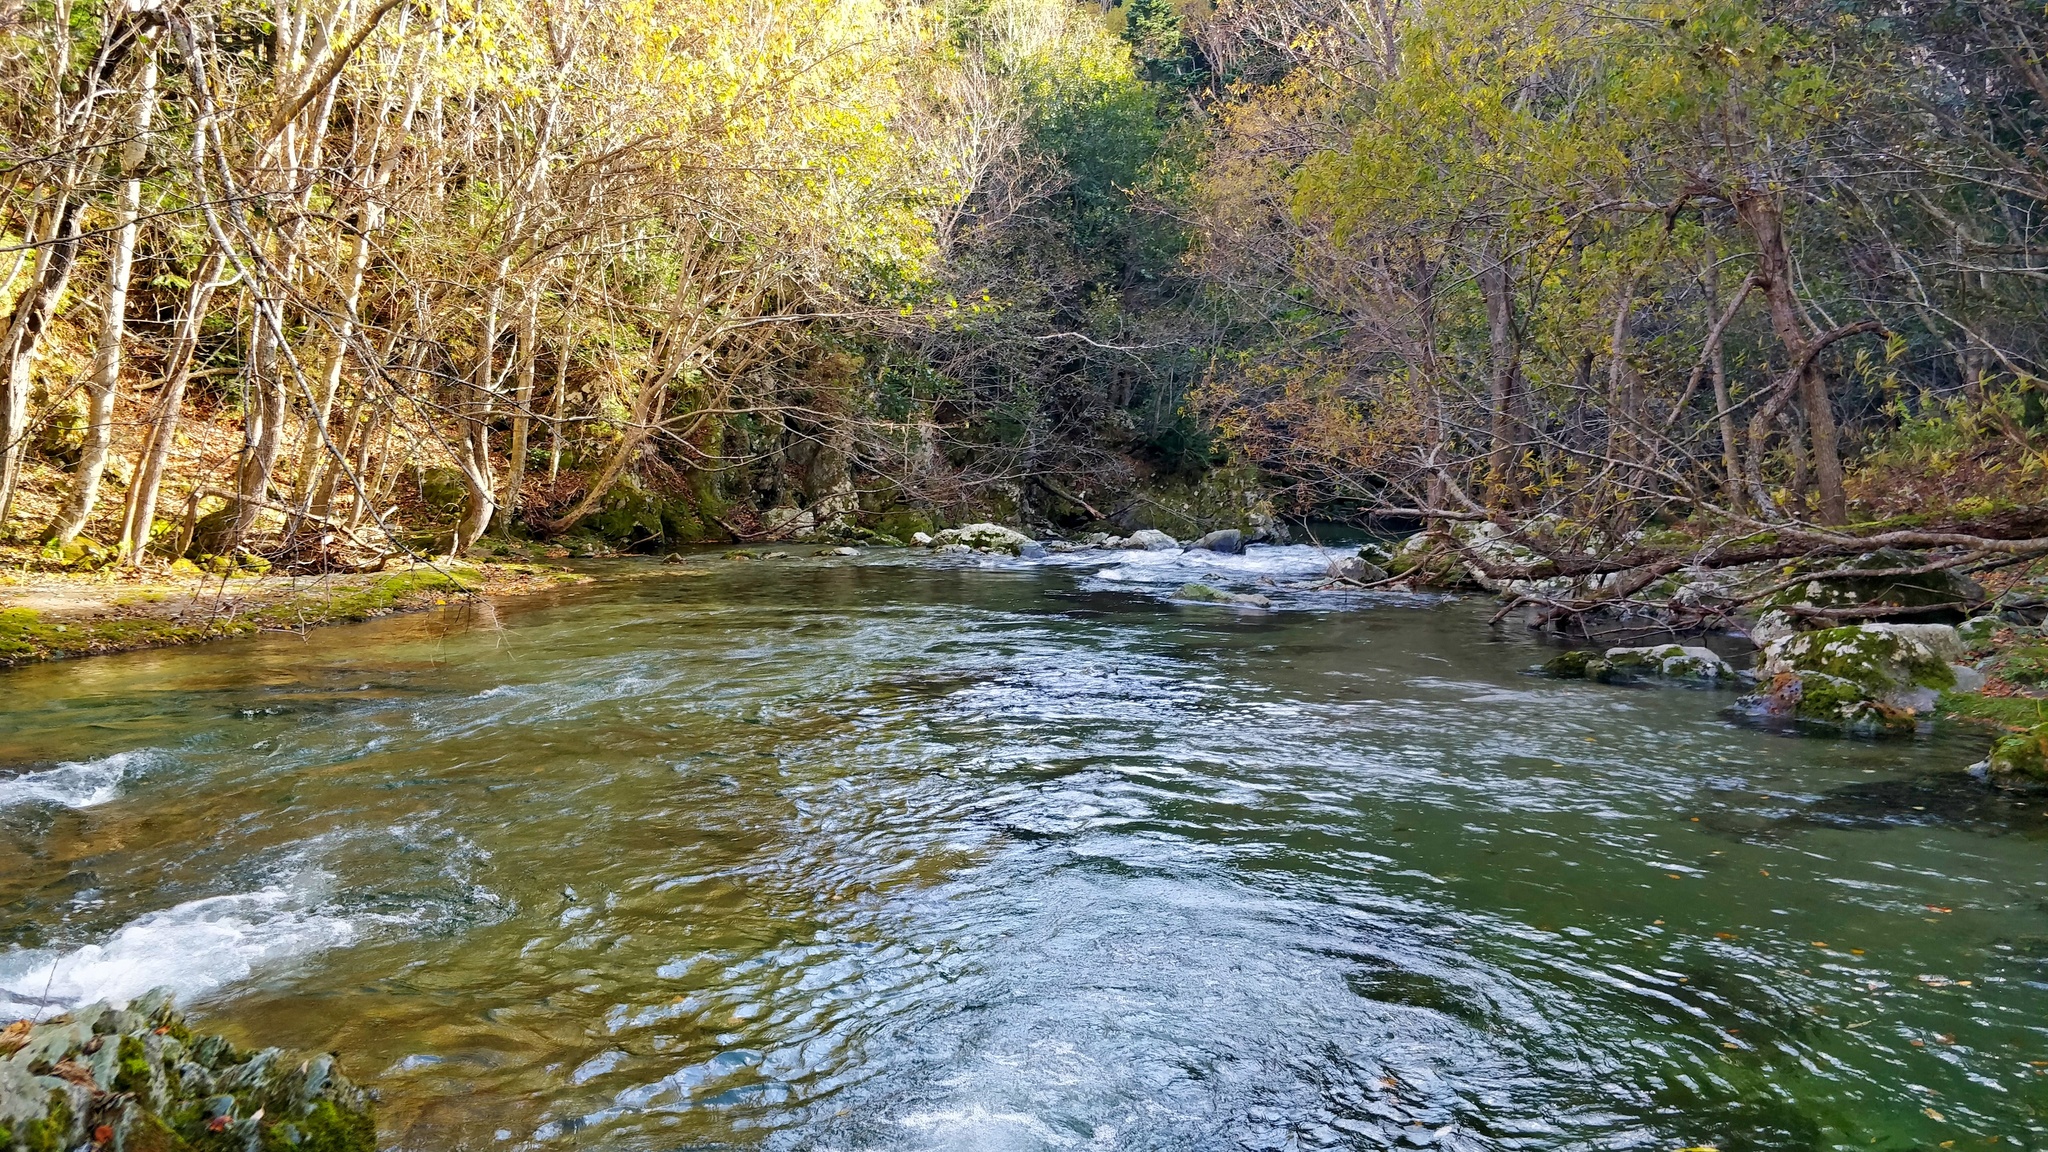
<point>913,854</point>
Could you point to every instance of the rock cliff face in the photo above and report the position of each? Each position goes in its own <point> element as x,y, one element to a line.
<point>136,1079</point>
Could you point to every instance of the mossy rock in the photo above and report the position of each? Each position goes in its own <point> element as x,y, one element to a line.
<point>443,490</point>
<point>1670,662</point>
<point>1204,594</point>
<point>1864,678</point>
<point>628,515</point>
<point>142,1074</point>
<point>1658,662</point>
<point>1575,665</point>
<point>2021,757</point>
<point>987,537</point>
<point>1425,563</point>
<point>1840,586</point>
<point>903,523</point>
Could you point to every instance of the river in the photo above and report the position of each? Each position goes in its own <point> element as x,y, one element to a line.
<point>912,852</point>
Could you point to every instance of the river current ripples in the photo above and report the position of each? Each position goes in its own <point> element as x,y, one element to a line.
<point>912,852</point>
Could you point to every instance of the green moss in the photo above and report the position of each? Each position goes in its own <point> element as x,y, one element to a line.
<point>131,1069</point>
<point>2004,711</point>
<point>903,523</point>
<point>1429,568</point>
<point>1860,657</point>
<point>1570,665</point>
<point>50,1131</point>
<point>1832,700</point>
<point>2025,664</point>
<point>26,637</point>
<point>22,634</point>
<point>326,1128</point>
<point>2022,755</point>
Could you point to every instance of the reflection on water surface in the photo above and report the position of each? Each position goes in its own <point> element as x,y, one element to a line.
<point>886,853</point>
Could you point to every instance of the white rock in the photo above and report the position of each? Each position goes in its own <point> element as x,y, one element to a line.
<point>1676,661</point>
<point>1149,539</point>
<point>986,537</point>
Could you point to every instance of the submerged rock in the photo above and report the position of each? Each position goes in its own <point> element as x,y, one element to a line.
<point>137,1078</point>
<point>1228,540</point>
<point>1870,678</point>
<point>1147,539</point>
<point>1204,594</point>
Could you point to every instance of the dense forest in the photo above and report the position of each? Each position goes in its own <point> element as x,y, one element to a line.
<point>327,283</point>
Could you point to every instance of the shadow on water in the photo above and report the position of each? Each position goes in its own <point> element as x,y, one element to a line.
<point>1957,800</point>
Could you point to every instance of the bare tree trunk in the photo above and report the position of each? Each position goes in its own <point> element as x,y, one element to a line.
<point>102,386</point>
<point>262,423</point>
<point>1763,215</point>
<point>313,462</point>
<point>25,328</point>
<point>1717,362</point>
<point>646,406</point>
<point>561,397</point>
<point>522,405</point>
<point>473,447</point>
<point>140,513</point>
<point>1502,386</point>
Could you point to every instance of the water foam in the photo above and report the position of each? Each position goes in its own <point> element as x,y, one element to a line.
<point>75,784</point>
<point>1274,562</point>
<point>192,949</point>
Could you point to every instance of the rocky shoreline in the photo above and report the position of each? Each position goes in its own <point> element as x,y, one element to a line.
<point>1986,666</point>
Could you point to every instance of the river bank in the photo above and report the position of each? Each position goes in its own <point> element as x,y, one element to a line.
<point>58,615</point>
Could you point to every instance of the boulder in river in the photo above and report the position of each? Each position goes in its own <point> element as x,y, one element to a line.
<point>2020,757</point>
<point>985,538</point>
<point>1358,569</point>
<point>137,1078</point>
<point>1227,540</point>
<point>1204,594</point>
<point>1147,539</point>
<point>1867,678</point>
<point>1655,662</point>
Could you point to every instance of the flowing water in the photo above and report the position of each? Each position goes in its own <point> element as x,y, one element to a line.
<point>953,853</point>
